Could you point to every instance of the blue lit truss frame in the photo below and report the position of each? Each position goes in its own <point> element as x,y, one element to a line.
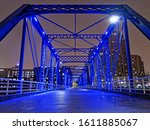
<point>31,11</point>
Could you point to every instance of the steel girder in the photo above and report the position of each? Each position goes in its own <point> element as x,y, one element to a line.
<point>66,59</point>
<point>87,50</point>
<point>58,9</point>
<point>27,10</point>
<point>77,67</point>
<point>73,36</point>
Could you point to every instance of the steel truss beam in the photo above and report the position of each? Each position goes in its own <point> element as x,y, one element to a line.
<point>75,67</point>
<point>87,50</point>
<point>66,59</point>
<point>27,10</point>
<point>95,9</point>
<point>73,36</point>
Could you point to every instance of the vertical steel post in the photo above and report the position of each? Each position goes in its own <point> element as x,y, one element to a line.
<point>42,64</point>
<point>92,73</point>
<point>98,72</point>
<point>128,54</point>
<point>65,79</point>
<point>42,60</point>
<point>57,72</point>
<point>51,70</point>
<point>22,50</point>
<point>108,70</point>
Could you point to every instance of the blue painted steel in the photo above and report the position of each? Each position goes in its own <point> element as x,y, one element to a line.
<point>92,73</point>
<point>75,35</point>
<point>66,79</point>
<point>108,66</point>
<point>56,24</point>
<point>27,10</point>
<point>66,59</point>
<point>51,70</point>
<point>140,22</point>
<point>42,33</point>
<point>34,62</point>
<point>83,50</point>
<point>99,83</point>
<point>11,21</point>
<point>37,26</point>
<point>42,61</point>
<point>128,54</point>
<point>102,62</point>
<point>71,9</point>
<point>35,52</point>
<point>21,63</point>
<point>57,72</point>
<point>93,24</point>
<point>107,34</point>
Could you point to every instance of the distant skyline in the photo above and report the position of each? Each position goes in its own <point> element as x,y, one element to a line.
<point>10,46</point>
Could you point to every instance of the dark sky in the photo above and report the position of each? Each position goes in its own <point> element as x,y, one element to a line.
<point>9,47</point>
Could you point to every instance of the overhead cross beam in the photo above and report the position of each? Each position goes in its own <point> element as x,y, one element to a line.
<point>95,9</point>
<point>72,36</point>
<point>87,50</point>
<point>66,59</point>
<point>76,67</point>
<point>29,10</point>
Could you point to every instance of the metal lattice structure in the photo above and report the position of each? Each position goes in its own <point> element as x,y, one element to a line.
<point>98,59</point>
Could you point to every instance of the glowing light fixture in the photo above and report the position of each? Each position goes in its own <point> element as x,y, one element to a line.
<point>114,19</point>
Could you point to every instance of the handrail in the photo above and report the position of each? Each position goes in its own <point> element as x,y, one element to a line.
<point>11,87</point>
<point>136,86</point>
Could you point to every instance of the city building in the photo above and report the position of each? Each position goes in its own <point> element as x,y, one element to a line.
<point>12,73</point>
<point>137,66</point>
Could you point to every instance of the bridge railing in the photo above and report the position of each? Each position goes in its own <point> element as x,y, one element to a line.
<point>136,85</point>
<point>10,87</point>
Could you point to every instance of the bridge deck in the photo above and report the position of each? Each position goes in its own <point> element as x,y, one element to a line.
<point>76,100</point>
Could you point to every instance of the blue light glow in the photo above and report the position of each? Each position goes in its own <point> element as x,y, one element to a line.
<point>43,32</point>
<point>35,19</point>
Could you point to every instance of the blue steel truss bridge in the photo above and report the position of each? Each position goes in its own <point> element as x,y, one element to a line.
<point>75,67</point>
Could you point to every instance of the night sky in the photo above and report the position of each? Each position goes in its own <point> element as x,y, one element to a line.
<point>10,46</point>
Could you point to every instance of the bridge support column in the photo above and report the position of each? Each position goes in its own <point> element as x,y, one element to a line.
<point>22,49</point>
<point>42,64</point>
<point>57,73</point>
<point>21,62</point>
<point>107,60</point>
<point>92,73</point>
<point>98,73</point>
<point>66,79</point>
<point>128,54</point>
<point>51,71</point>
